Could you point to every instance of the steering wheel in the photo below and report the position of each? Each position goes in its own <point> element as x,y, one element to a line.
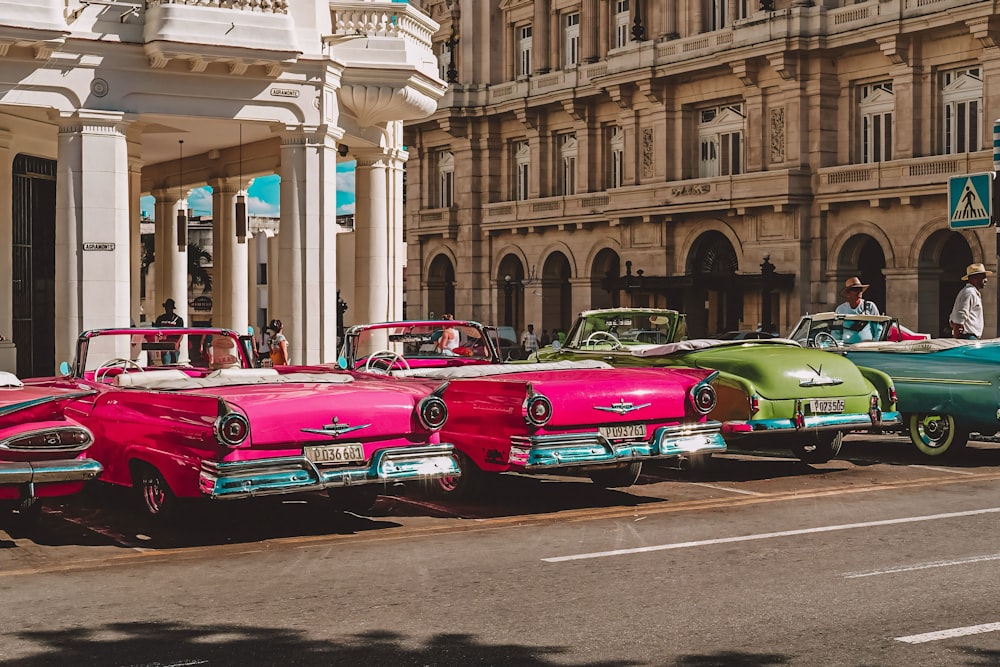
<point>383,362</point>
<point>117,362</point>
<point>599,337</point>
<point>824,339</point>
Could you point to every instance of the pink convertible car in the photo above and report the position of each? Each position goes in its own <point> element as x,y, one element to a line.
<point>42,454</point>
<point>217,427</point>
<point>565,417</point>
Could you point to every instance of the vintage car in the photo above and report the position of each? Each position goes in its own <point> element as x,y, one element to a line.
<point>229,430</point>
<point>42,453</point>
<point>947,388</point>
<point>581,418</point>
<point>836,329</point>
<point>772,393</point>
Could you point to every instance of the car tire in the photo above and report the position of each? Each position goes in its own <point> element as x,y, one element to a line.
<point>936,434</point>
<point>467,485</point>
<point>618,477</point>
<point>354,499</point>
<point>22,519</point>
<point>826,447</point>
<point>156,499</point>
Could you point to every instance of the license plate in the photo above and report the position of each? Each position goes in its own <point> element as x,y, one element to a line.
<point>335,453</point>
<point>818,405</point>
<point>623,431</point>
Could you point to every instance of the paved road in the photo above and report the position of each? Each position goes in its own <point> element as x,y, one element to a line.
<point>876,558</point>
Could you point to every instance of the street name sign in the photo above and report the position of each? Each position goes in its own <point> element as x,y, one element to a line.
<point>970,200</point>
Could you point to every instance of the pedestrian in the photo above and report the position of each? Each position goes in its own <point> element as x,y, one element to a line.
<point>856,331</point>
<point>966,317</point>
<point>168,318</point>
<point>544,340</point>
<point>279,344</point>
<point>449,339</point>
<point>263,346</point>
<point>529,342</point>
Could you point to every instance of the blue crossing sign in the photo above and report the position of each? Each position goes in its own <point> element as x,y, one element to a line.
<point>970,200</point>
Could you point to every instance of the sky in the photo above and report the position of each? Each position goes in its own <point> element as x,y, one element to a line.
<point>263,196</point>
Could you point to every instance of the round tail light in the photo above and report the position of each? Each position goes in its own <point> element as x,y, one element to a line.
<point>537,410</point>
<point>704,398</point>
<point>231,429</point>
<point>432,412</point>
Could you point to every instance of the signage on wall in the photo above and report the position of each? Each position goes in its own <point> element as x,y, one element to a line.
<point>970,200</point>
<point>98,246</point>
<point>202,303</point>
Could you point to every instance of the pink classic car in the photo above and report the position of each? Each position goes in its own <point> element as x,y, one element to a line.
<point>41,452</point>
<point>224,429</point>
<point>566,417</point>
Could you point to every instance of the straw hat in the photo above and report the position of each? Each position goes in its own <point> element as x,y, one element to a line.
<point>974,269</point>
<point>853,283</point>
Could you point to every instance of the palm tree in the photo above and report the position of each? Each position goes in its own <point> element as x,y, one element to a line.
<point>198,258</point>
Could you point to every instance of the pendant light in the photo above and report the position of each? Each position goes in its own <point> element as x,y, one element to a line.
<point>241,201</point>
<point>182,206</point>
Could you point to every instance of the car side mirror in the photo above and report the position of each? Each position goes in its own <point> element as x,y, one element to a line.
<point>342,363</point>
<point>64,369</point>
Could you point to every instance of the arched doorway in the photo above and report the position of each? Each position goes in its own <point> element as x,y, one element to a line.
<point>441,288</point>
<point>714,303</point>
<point>862,256</point>
<point>556,293</point>
<point>510,293</point>
<point>942,264</point>
<point>604,274</point>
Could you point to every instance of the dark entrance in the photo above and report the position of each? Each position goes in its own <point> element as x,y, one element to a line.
<point>33,292</point>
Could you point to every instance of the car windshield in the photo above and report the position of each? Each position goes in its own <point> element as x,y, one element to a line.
<point>415,340</point>
<point>826,329</point>
<point>210,349</point>
<point>629,327</point>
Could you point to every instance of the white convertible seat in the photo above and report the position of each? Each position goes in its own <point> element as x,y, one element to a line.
<point>487,370</point>
<point>323,378</point>
<point>246,374</point>
<point>9,380</point>
<point>168,378</point>
<point>700,344</point>
<point>914,346</point>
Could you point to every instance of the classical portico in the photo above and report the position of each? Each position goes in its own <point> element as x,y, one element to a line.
<point>113,101</point>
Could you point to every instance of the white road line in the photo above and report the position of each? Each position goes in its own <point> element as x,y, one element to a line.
<point>726,488</point>
<point>948,634</point>
<point>953,471</point>
<point>767,536</point>
<point>923,566</point>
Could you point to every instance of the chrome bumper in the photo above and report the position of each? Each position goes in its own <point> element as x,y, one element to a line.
<point>581,449</point>
<point>837,422</point>
<point>48,472</point>
<point>295,474</point>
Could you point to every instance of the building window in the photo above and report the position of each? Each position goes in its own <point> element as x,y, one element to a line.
<point>522,169</point>
<point>876,107</point>
<point>715,14</point>
<point>962,101</point>
<point>446,179</point>
<point>571,39</point>
<point>444,60</point>
<point>524,51</point>
<point>567,163</point>
<point>616,150</point>
<point>720,137</point>
<point>622,21</point>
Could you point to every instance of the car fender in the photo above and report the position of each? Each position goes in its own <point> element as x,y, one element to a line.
<point>882,383</point>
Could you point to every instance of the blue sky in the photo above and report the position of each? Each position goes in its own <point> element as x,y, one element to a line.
<point>263,197</point>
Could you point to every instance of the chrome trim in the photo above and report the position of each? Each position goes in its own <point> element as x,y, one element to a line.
<point>842,422</point>
<point>45,399</point>
<point>295,474</point>
<point>41,472</point>
<point>622,407</point>
<point>334,429</point>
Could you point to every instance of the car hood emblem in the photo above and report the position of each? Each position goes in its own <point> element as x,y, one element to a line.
<point>622,407</point>
<point>335,429</point>
<point>820,380</point>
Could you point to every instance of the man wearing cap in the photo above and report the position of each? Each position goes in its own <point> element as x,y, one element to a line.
<point>169,318</point>
<point>967,314</point>
<point>856,331</point>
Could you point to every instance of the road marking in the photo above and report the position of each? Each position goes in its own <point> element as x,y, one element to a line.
<point>922,566</point>
<point>726,488</point>
<point>951,470</point>
<point>768,536</point>
<point>948,634</point>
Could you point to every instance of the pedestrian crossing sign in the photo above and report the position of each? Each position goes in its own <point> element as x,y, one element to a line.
<point>970,200</point>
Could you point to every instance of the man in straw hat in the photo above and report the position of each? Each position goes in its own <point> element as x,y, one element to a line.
<point>856,331</point>
<point>967,314</point>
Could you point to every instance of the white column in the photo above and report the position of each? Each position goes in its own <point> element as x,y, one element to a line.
<point>306,300</point>
<point>8,353</point>
<point>372,239</point>
<point>229,260</point>
<point>92,277</point>
<point>134,228</point>
<point>171,261</point>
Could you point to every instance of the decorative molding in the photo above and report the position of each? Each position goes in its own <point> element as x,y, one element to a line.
<point>745,71</point>
<point>576,109</point>
<point>528,117</point>
<point>653,90</point>
<point>985,30</point>
<point>648,153</point>
<point>621,94</point>
<point>777,131</point>
<point>784,64</point>
<point>896,48</point>
<point>697,189</point>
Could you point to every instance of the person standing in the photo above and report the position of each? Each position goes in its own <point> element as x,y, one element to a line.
<point>279,344</point>
<point>168,318</point>
<point>856,304</point>
<point>529,341</point>
<point>449,339</point>
<point>966,317</point>
<point>263,345</point>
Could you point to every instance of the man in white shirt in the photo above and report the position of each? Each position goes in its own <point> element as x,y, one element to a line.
<point>967,314</point>
<point>529,341</point>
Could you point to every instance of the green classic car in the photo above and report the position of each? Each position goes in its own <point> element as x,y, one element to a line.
<point>772,393</point>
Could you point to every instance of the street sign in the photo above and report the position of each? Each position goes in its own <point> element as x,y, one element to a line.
<point>970,200</point>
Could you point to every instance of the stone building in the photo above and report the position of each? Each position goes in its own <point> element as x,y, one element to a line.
<point>732,159</point>
<point>105,101</point>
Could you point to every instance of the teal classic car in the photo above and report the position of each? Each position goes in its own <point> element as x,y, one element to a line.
<point>947,388</point>
<point>772,393</point>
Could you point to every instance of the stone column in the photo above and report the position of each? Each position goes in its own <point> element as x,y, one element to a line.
<point>230,259</point>
<point>8,352</point>
<point>540,38</point>
<point>134,229</point>
<point>372,234</point>
<point>306,295</point>
<point>92,275</point>
<point>590,20</point>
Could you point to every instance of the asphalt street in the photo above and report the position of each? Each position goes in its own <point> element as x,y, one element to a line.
<point>878,557</point>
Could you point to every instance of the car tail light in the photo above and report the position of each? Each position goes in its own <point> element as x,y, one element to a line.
<point>432,412</point>
<point>61,439</point>
<point>232,429</point>
<point>537,409</point>
<point>703,397</point>
<point>892,396</point>
<point>754,404</point>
